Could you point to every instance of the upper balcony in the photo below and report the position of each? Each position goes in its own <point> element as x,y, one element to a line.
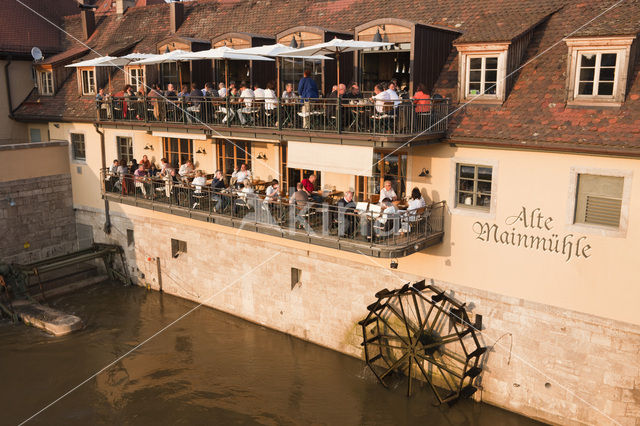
<point>385,121</point>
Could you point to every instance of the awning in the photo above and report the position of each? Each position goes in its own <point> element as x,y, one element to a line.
<point>345,159</point>
<point>198,136</point>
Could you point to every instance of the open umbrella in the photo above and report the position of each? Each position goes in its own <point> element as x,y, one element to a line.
<point>225,53</point>
<point>276,51</point>
<point>338,46</point>
<point>173,56</point>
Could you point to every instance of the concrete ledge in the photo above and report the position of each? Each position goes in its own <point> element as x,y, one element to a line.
<point>48,319</point>
<point>30,145</point>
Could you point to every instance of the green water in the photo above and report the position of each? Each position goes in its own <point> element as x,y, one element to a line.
<point>209,368</point>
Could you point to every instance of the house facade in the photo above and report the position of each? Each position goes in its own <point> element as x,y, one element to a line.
<point>528,162</point>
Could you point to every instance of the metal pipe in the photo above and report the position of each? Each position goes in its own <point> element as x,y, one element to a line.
<point>107,216</point>
<point>6,80</point>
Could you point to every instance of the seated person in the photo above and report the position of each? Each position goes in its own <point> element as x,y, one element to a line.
<point>270,99</point>
<point>112,176</point>
<point>141,180</point>
<point>258,93</point>
<point>222,90</point>
<point>247,95</point>
<point>393,94</point>
<point>422,100</point>
<point>300,197</point>
<point>198,182</point>
<point>346,214</point>
<point>288,96</point>
<point>165,167</point>
<point>242,174</point>
<point>388,192</point>
<point>353,93</point>
<point>145,162</point>
<point>308,185</point>
<point>272,193</point>
<point>380,99</point>
<point>416,201</point>
<point>173,185</point>
<point>246,197</point>
<point>389,221</point>
<point>217,186</point>
<point>186,169</point>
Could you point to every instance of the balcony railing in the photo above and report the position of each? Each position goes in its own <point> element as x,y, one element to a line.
<point>404,117</point>
<point>327,224</point>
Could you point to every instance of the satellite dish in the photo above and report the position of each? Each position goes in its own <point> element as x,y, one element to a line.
<point>36,53</point>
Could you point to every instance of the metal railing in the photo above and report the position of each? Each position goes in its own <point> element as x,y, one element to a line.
<point>333,115</point>
<point>324,223</point>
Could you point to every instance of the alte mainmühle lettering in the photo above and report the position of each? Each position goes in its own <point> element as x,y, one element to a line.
<point>568,245</point>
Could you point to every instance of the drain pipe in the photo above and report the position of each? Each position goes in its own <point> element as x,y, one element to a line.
<point>107,217</point>
<point>6,80</point>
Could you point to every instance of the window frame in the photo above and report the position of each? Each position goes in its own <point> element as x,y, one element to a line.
<point>169,154</point>
<point>466,52</point>
<point>591,228</point>
<point>140,76</point>
<point>596,78</point>
<point>74,151</point>
<point>45,82</point>
<point>621,45</point>
<point>129,156</point>
<point>483,72</point>
<point>239,156</point>
<point>475,192</point>
<point>362,192</point>
<point>91,81</point>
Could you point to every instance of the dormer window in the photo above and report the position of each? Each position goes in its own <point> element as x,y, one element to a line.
<point>598,70</point>
<point>45,82</point>
<point>88,81</point>
<point>135,77</point>
<point>482,72</point>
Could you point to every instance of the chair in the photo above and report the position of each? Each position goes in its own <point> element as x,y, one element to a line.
<point>374,199</point>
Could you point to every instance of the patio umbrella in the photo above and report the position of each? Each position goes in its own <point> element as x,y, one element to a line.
<point>338,46</point>
<point>225,53</point>
<point>276,51</point>
<point>173,56</point>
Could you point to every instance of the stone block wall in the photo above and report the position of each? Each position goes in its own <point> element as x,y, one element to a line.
<point>544,362</point>
<point>36,218</point>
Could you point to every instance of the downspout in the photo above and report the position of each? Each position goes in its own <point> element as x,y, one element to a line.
<point>6,80</point>
<point>107,217</point>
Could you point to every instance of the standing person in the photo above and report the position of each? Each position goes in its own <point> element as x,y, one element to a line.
<point>308,89</point>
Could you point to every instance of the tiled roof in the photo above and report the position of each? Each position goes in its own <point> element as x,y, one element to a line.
<point>23,29</point>
<point>534,113</point>
<point>66,56</point>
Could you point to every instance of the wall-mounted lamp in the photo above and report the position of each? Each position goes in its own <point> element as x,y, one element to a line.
<point>201,151</point>
<point>11,201</point>
<point>294,43</point>
<point>377,37</point>
<point>424,173</point>
<point>56,125</point>
<point>394,264</point>
<point>167,50</point>
<point>148,147</point>
<point>261,156</point>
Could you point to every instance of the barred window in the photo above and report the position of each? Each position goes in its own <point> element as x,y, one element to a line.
<point>77,146</point>
<point>473,186</point>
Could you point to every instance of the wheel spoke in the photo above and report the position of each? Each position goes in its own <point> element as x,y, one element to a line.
<point>394,365</point>
<point>433,361</point>
<point>391,328</point>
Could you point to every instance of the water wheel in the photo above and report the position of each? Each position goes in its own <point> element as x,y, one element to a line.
<point>420,332</point>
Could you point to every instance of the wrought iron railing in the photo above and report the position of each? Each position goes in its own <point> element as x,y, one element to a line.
<point>359,116</point>
<point>326,223</point>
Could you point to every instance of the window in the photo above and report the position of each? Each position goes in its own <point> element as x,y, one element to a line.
<point>599,200</point>
<point>177,151</point>
<point>178,247</point>
<point>125,149</point>
<point>77,146</point>
<point>482,77</point>
<point>136,77</point>
<point>596,75</point>
<point>296,277</point>
<point>598,70</point>
<point>34,135</point>
<point>292,68</point>
<point>88,82</point>
<point>130,238</point>
<point>387,166</point>
<point>45,82</point>
<point>231,155</point>
<point>473,186</point>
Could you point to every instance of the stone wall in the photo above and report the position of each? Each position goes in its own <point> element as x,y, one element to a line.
<point>36,218</point>
<point>547,363</point>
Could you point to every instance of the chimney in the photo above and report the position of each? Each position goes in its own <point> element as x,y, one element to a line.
<point>88,23</point>
<point>123,5</point>
<point>176,10</point>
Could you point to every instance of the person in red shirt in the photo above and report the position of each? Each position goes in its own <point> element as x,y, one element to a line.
<point>422,100</point>
<point>308,186</point>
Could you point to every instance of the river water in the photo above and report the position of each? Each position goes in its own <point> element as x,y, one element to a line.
<point>208,368</point>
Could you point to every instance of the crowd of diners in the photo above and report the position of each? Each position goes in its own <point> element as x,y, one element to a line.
<point>246,98</point>
<point>242,193</point>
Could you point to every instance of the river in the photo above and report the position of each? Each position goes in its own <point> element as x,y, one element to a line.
<point>208,368</point>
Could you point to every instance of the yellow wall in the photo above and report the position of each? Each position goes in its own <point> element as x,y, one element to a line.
<point>21,84</point>
<point>33,161</point>
<point>603,284</point>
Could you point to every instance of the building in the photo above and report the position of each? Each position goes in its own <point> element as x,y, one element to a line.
<point>532,182</point>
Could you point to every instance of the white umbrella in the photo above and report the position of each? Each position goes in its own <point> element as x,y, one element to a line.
<point>173,56</point>
<point>278,50</point>
<point>338,46</point>
<point>225,53</point>
<point>110,61</point>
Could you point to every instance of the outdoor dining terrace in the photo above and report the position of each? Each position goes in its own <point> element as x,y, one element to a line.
<point>362,228</point>
<point>402,117</point>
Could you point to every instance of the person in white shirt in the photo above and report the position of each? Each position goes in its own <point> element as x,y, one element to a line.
<point>242,174</point>
<point>247,96</point>
<point>393,95</point>
<point>270,99</point>
<point>380,97</point>
<point>388,192</point>
<point>258,93</point>
<point>416,201</point>
<point>199,182</point>
<point>272,191</point>
<point>222,90</point>
<point>186,169</point>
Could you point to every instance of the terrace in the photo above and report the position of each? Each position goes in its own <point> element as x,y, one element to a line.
<point>390,120</point>
<point>362,229</point>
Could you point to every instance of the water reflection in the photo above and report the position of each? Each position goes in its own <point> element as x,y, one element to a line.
<point>208,368</point>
